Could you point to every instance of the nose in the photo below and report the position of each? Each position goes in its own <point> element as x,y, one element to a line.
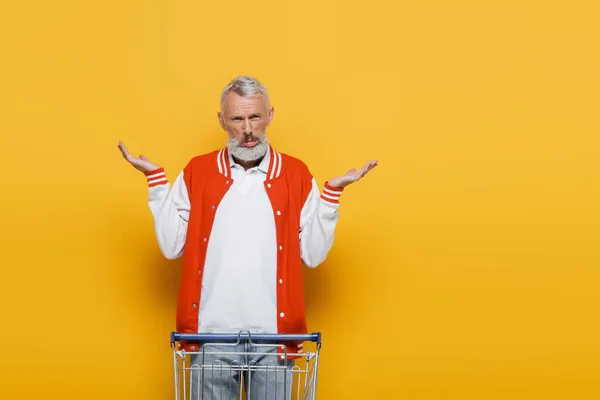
<point>247,127</point>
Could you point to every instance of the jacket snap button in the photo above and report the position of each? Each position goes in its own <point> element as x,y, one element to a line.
<point>280,248</point>
<point>269,185</point>
<point>282,315</point>
<point>278,212</point>
<point>213,206</point>
<point>194,305</point>
<point>227,182</point>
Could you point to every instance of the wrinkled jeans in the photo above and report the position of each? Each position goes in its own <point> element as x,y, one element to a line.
<point>220,377</point>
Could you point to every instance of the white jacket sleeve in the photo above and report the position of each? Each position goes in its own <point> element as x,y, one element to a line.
<point>318,220</point>
<point>170,207</point>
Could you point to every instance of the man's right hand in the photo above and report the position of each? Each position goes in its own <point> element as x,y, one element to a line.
<point>141,163</point>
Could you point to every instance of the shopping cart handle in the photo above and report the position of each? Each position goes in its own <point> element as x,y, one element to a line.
<point>244,337</point>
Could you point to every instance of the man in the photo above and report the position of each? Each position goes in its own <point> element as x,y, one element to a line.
<point>245,218</point>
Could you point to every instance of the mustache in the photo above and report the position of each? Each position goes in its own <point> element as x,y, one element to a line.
<point>251,139</point>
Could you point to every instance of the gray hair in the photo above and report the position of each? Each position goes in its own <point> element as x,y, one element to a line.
<point>245,86</point>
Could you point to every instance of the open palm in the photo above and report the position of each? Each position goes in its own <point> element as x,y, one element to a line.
<point>141,164</point>
<point>352,175</point>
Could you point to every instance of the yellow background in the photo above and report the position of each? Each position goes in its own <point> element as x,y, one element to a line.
<point>465,265</point>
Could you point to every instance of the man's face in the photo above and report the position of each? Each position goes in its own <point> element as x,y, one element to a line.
<point>245,119</point>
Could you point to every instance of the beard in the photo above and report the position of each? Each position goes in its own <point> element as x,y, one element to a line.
<point>248,153</point>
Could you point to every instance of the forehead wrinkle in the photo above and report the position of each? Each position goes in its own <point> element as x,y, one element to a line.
<point>243,107</point>
<point>246,109</point>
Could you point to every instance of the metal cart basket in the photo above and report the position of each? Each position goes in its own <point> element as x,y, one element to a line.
<point>230,366</point>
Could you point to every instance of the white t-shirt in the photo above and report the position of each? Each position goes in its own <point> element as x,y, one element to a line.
<point>239,284</point>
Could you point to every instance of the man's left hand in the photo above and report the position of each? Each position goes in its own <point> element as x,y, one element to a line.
<point>352,175</point>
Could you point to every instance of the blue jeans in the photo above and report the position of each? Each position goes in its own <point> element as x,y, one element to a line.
<point>265,375</point>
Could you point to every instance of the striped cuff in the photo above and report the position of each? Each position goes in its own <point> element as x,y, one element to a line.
<point>156,177</point>
<point>331,194</point>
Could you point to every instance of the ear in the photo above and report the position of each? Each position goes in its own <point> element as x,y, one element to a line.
<point>271,114</point>
<point>221,120</point>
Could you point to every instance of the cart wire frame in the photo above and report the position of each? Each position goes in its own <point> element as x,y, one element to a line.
<point>299,382</point>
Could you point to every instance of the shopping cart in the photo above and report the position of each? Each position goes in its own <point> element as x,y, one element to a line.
<point>246,366</point>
